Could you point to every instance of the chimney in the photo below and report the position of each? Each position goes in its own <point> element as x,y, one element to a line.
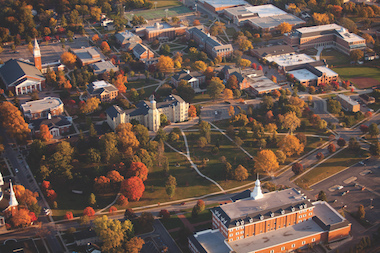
<point>49,116</point>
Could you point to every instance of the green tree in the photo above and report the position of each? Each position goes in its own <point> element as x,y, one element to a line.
<point>373,130</point>
<point>228,171</point>
<point>361,212</point>
<point>92,199</point>
<point>322,196</point>
<point>375,148</point>
<point>215,88</point>
<point>142,134</point>
<point>185,91</point>
<point>356,55</point>
<point>165,49</point>
<point>108,145</point>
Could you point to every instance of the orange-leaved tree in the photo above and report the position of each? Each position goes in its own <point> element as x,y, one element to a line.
<point>68,59</point>
<point>133,188</point>
<point>138,169</point>
<point>68,216</point>
<point>13,121</point>
<point>102,184</point>
<point>165,64</point>
<point>20,218</point>
<point>45,134</point>
<point>192,111</point>
<point>127,139</point>
<point>120,82</point>
<point>291,145</point>
<point>266,161</point>
<point>89,211</point>
<point>105,47</point>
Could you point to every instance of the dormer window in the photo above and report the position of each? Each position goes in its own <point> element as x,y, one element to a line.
<point>237,223</point>
<point>261,217</point>
<point>293,209</point>
<point>250,220</point>
<point>242,222</point>
<point>304,205</point>
<point>301,207</point>
<point>282,211</point>
<point>272,214</point>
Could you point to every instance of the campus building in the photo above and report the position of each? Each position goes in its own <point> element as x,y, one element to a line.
<point>88,55</point>
<point>347,103</point>
<point>195,79</point>
<point>331,35</point>
<point>279,50</point>
<point>160,31</point>
<point>148,113</point>
<point>266,17</point>
<point>103,90</point>
<point>220,5</point>
<point>58,125</point>
<point>41,108</point>
<point>314,75</point>
<point>141,52</point>
<point>209,43</point>
<point>127,39</point>
<point>287,217</point>
<point>103,66</point>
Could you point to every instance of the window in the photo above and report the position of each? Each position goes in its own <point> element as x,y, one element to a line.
<point>303,242</point>
<point>231,240</point>
<point>241,237</point>
<point>293,245</point>
<point>282,248</point>
<point>272,251</point>
<point>310,214</point>
<point>237,233</point>
<point>242,232</point>
<point>313,240</point>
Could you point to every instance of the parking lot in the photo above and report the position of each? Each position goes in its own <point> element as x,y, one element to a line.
<point>360,184</point>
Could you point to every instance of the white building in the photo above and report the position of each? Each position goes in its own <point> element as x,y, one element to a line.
<point>148,113</point>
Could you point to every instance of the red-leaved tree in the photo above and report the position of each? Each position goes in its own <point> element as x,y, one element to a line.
<point>122,201</point>
<point>89,211</point>
<point>133,188</point>
<point>112,209</point>
<point>138,169</point>
<point>68,216</point>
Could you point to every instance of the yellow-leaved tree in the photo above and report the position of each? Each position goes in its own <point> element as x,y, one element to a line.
<point>13,121</point>
<point>266,161</point>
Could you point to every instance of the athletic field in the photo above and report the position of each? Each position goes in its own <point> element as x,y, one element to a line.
<point>160,13</point>
<point>362,77</point>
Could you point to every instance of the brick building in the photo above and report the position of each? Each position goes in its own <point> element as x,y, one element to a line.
<point>41,108</point>
<point>331,35</point>
<point>103,90</point>
<point>127,39</point>
<point>58,125</point>
<point>314,75</point>
<point>347,103</point>
<point>160,31</point>
<point>88,55</point>
<point>195,79</point>
<point>287,217</point>
<point>209,43</point>
<point>141,52</point>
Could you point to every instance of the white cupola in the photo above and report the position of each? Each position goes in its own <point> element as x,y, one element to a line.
<point>257,193</point>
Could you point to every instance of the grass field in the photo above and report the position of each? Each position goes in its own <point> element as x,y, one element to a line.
<point>334,57</point>
<point>139,83</point>
<point>167,3</point>
<point>352,72</point>
<point>160,13</point>
<point>333,165</point>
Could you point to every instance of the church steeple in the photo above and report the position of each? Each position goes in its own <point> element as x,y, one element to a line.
<point>1,180</point>
<point>37,55</point>
<point>257,193</point>
<point>12,197</point>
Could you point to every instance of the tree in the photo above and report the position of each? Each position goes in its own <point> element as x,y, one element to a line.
<point>68,59</point>
<point>284,27</point>
<point>291,121</point>
<point>353,145</point>
<point>373,130</point>
<point>113,233</point>
<point>244,63</point>
<point>266,161</point>
<point>356,55</point>
<point>281,157</point>
<point>68,216</point>
<point>129,214</point>
<point>322,196</point>
<point>321,19</point>
<point>133,188</point>
<point>90,106</point>
<point>20,218</point>
<point>134,245</point>
<point>228,94</point>
<point>198,208</point>
<point>13,121</point>
<point>291,145</point>
<point>45,134</point>
<point>374,148</point>
<point>320,156</point>
<point>185,91</point>
<point>88,211</point>
<point>165,214</point>
<point>361,212</point>
<point>297,168</point>
<point>146,220</point>
<point>170,190</point>
<point>105,47</point>
<point>215,87</point>
<point>368,38</point>
<point>331,148</point>
<point>232,83</point>
<point>95,38</point>
<point>192,111</point>
<point>364,128</point>
<point>112,209</point>
<point>341,142</point>
<point>244,43</point>
<point>199,66</point>
<point>115,177</point>
<point>165,64</point>
<point>138,169</point>
<point>165,49</point>
<point>196,22</point>
<point>334,106</point>
<point>127,139</point>
<point>92,199</point>
<point>241,173</point>
<point>120,82</point>
<point>217,28</point>
<point>142,134</point>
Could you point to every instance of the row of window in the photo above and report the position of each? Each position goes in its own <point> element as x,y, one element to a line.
<point>293,245</point>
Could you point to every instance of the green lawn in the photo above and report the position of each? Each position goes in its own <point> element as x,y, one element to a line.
<point>330,167</point>
<point>334,57</point>
<point>201,97</point>
<point>167,3</point>
<point>172,222</point>
<point>139,83</point>
<point>203,216</point>
<point>160,12</point>
<point>352,72</point>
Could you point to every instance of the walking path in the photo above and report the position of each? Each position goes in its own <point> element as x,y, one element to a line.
<point>187,155</point>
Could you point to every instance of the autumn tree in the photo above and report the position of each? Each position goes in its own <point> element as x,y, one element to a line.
<point>291,121</point>
<point>215,87</point>
<point>368,38</point>
<point>341,142</point>
<point>228,94</point>
<point>20,218</point>
<point>321,18</point>
<point>68,216</point>
<point>291,145</point>
<point>45,134</point>
<point>138,169</point>
<point>331,148</point>
<point>13,121</point>
<point>198,208</point>
<point>244,43</point>
<point>199,66</point>
<point>196,22</point>
<point>68,59</point>
<point>89,211</point>
<point>114,177</point>
<point>120,82</point>
<point>95,38</point>
<point>361,212</point>
<point>127,139</point>
<point>244,63</point>
<point>297,168</point>
<point>146,220</point>
<point>281,157</point>
<point>320,156</point>
<point>165,214</point>
<point>356,55</point>
<point>90,105</point>
<point>133,188</point>
<point>192,111</point>
<point>284,27</point>
<point>373,130</point>
<point>105,47</point>
<point>217,28</point>
<point>241,173</point>
<point>322,196</point>
<point>232,83</point>
<point>165,64</point>
<point>25,196</point>
<point>266,161</point>
<point>134,245</point>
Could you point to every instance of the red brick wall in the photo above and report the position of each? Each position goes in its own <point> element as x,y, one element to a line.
<point>339,233</point>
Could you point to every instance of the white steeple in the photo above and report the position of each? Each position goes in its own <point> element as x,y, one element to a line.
<point>153,102</point>
<point>12,197</point>
<point>36,51</point>
<point>1,180</point>
<point>256,193</point>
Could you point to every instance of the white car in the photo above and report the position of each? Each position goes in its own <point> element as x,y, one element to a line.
<point>340,187</point>
<point>16,170</point>
<point>47,211</point>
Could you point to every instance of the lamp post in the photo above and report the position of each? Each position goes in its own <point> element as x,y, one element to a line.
<point>155,5</point>
<point>371,206</point>
<point>196,7</point>
<point>166,11</point>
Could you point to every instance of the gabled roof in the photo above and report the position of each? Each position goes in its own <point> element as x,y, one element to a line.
<point>14,69</point>
<point>113,111</point>
<point>184,75</point>
<point>140,49</point>
<point>55,121</point>
<point>98,87</point>
<point>126,36</point>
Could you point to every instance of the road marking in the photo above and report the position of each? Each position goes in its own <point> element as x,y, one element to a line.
<point>334,188</point>
<point>350,180</point>
<point>365,172</point>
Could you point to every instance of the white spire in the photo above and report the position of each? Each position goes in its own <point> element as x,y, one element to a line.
<point>12,197</point>
<point>36,51</point>
<point>1,180</point>
<point>256,193</point>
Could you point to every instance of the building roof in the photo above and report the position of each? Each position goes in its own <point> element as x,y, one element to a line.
<point>318,28</point>
<point>211,241</point>
<point>113,111</point>
<point>87,54</point>
<point>327,214</point>
<point>262,84</point>
<point>326,70</point>
<point>274,50</point>
<point>13,70</point>
<point>266,10</point>
<point>250,210</point>
<point>55,121</point>
<point>225,3</point>
<point>303,75</point>
<point>290,60</point>
<point>98,87</point>
<point>347,99</point>
<point>272,22</point>
<point>140,49</point>
<point>207,38</point>
<point>127,37</point>
<point>186,75</point>
<point>41,105</point>
<point>158,26</point>
<point>104,66</point>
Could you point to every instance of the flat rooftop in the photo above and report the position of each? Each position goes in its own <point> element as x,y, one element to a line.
<point>326,213</point>
<point>270,200</point>
<point>349,37</point>
<point>280,236</point>
<point>291,60</point>
<point>326,70</point>
<point>88,54</point>
<point>303,75</point>
<point>212,241</point>
<point>158,26</point>
<point>347,99</point>
<point>41,105</point>
<point>262,84</point>
<point>273,21</point>
<point>266,10</point>
<point>318,28</point>
<point>100,84</point>
<point>224,3</point>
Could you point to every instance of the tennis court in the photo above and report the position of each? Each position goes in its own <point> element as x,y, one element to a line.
<point>160,13</point>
